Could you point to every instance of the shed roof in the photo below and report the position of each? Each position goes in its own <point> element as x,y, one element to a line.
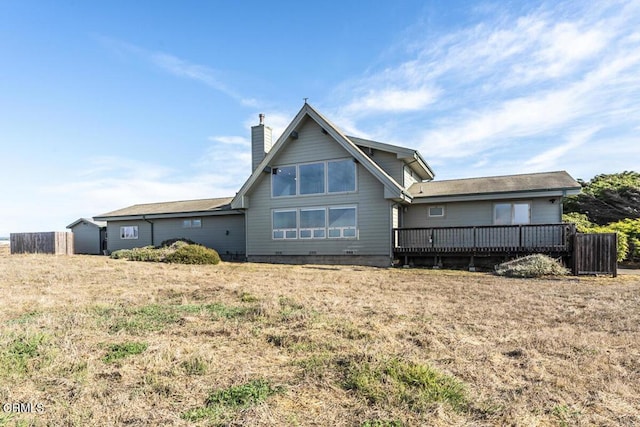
<point>183,206</point>
<point>98,224</point>
<point>546,181</point>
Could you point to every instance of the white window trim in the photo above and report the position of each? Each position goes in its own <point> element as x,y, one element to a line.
<point>355,227</point>
<point>190,223</point>
<point>284,230</point>
<point>326,179</point>
<point>435,216</point>
<point>299,178</point>
<point>355,168</point>
<point>271,179</point>
<point>324,228</point>
<point>512,203</point>
<point>133,236</point>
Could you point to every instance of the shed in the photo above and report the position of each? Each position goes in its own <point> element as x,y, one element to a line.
<point>89,236</point>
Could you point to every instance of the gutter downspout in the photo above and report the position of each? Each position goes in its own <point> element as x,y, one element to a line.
<point>144,218</point>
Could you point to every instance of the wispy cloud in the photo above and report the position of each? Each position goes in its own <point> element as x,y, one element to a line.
<point>179,67</point>
<point>392,100</point>
<point>552,156</point>
<point>518,82</point>
<point>231,140</point>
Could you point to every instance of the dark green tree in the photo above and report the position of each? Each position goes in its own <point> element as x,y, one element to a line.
<point>608,198</point>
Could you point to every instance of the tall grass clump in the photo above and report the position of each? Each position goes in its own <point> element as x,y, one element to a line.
<point>536,265</point>
<point>222,403</point>
<point>397,382</point>
<point>17,355</point>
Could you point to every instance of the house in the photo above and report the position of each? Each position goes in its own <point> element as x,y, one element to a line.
<point>89,236</point>
<point>317,195</point>
<point>209,222</point>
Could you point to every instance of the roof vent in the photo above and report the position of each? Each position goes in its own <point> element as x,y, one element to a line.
<point>261,117</point>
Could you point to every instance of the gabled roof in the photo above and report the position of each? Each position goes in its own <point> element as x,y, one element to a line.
<point>560,182</point>
<point>412,157</point>
<point>170,209</point>
<point>99,224</point>
<point>393,190</point>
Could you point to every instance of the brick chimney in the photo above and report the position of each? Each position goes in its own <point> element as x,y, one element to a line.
<point>260,142</point>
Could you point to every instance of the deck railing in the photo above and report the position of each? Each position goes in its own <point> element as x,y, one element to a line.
<point>545,238</point>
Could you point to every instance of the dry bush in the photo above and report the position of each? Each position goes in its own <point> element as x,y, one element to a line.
<point>267,345</point>
<point>537,265</point>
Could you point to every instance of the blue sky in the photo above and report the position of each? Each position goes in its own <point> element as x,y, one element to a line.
<point>108,104</point>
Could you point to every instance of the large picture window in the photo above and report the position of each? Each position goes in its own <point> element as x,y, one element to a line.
<point>512,213</point>
<point>333,176</point>
<point>342,176</point>
<point>312,178</point>
<point>285,224</point>
<point>283,181</point>
<point>129,232</point>
<point>342,222</point>
<point>315,223</point>
<point>312,223</point>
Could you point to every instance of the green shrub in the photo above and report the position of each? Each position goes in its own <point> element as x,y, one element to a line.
<point>536,265</point>
<point>628,231</point>
<point>172,242</point>
<point>147,253</point>
<point>121,254</point>
<point>178,251</point>
<point>193,254</point>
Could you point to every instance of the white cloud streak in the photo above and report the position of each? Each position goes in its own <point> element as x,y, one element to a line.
<point>180,68</point>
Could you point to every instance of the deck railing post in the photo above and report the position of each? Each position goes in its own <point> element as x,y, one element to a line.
<point>520,238</point>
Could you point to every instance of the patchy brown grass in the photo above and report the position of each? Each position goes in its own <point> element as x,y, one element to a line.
<point>109,342</point>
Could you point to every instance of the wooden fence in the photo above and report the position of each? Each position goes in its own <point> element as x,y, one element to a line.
<point>595,254</point>
<point>54,242</point>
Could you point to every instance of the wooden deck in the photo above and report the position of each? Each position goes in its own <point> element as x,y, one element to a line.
<point>484,240</point>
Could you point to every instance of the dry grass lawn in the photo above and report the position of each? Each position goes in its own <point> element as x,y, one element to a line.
<point>97,341</point>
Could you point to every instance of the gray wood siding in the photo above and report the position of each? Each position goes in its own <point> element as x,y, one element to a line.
<point>545,212</point>
<point>373,211</point>
<point>389,162</point>
<point>86,239</point>
<point>114,242</point>
<point>212,234</point>
<point>478,213</point>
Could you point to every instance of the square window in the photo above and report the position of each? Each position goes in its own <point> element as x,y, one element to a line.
<point>196,223</point>
<point>285,225</point>
<point>129,232</point>
<point>283,181</point>
<point>511,213</point>
<point>436,211</point>
<point>342,222</point>
<point>341,176</point>
<point>311,178</point>
<point>312,218</point>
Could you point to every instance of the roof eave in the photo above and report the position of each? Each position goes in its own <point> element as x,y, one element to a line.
<point>516,194</point>
<point>216,212</point>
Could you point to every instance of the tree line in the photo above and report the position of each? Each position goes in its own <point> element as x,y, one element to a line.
<point>609,203</point>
